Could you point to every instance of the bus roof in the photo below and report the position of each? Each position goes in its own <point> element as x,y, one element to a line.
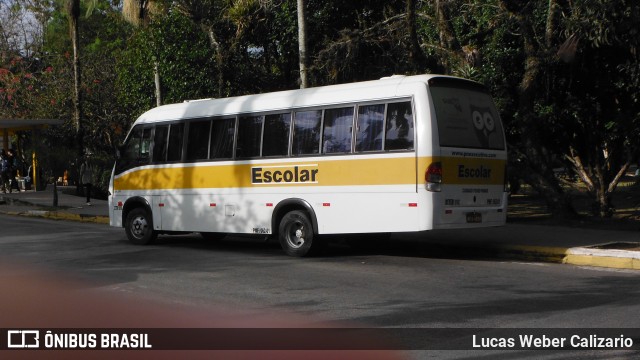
<point>384,88</point>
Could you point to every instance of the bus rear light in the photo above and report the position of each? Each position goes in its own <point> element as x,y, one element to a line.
<point>433,177</point>
<point>413,204</point>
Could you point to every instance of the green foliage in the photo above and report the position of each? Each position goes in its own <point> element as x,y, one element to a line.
<point>565,75</point>
<point>48,95</point>
<point>184,58</point>
<point>352,41</point>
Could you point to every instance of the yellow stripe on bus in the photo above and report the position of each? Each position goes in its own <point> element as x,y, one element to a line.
<point>352,172</point>
<point>304,173</point>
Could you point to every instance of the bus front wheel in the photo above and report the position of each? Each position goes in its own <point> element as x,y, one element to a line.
<point>296,234</point>
<point>139,227</point>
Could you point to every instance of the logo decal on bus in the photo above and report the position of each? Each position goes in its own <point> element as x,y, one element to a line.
<point>285,174</point>
<point>484,124</point>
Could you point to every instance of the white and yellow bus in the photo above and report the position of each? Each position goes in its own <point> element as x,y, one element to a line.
<point>399,154</point>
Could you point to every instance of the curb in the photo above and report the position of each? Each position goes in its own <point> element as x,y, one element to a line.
<point>60,215</point>
<point>57,215</point>
<point>578,256</point>
<point>536,253</point>
<point>611,258</point>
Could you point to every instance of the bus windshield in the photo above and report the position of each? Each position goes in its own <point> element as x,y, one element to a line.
<point>466,115</point>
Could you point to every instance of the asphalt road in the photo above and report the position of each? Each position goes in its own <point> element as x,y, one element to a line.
<point>362,288</point>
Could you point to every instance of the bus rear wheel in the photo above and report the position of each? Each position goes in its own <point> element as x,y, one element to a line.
<point>296,234</point>
<point>139,227</point>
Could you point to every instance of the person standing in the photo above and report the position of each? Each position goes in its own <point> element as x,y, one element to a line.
<point>86,178</point>
<point>13,170</point>
<point>4,172</point>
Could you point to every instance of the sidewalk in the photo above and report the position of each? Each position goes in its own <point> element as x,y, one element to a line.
<point>516,241</point>
<point>40,203</point>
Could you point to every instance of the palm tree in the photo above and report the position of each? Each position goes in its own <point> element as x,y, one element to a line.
<point>73,12</point>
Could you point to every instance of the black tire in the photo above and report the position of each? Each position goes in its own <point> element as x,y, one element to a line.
<point>296,235</point>
<point>139,227</point>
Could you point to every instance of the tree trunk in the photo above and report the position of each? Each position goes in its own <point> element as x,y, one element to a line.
<point>302,44</point>
<point>448,39</point>
<point>156,78</point>
<point>219,57</point>
<point>596,179</point>
<point>415,53</point>
<point>73,10</point>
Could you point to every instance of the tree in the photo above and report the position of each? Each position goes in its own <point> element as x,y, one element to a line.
<point>139,13</point>
<point>73,13</point>
<point>214,18</point>
<point>185,64</point>
<point>22,75</point>
<point>42,83</point>
<point>540,61</point>
<point>599,91</point>
<point>537,159</point>
<point>364,42</point>
<point>302,44</point>
<point>578,72</point>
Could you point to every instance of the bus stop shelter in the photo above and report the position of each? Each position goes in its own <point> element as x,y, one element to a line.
<point>9,127</point>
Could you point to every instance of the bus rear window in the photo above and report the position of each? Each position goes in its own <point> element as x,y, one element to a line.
<point>466,116</point>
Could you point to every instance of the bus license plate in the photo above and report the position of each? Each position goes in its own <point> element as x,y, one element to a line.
<point>474,217</point>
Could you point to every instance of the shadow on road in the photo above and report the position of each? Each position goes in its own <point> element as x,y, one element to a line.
<point>336,246</point>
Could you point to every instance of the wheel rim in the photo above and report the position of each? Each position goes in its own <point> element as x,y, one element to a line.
<point>296,235</point>
<point>139,226</point>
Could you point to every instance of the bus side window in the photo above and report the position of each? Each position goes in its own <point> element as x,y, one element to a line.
<point>276,135</point>
<point>176,138</point>
<point>399,130</point>
<point>222,133</point>
<point>249,136</point>
<point>306,132</point>
<point>369,128</point>
<point>160,144</point>
<point>198,140</point>
<point>338,124</point>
